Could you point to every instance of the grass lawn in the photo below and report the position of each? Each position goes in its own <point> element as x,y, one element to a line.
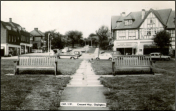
<point>142,92</point>
<point>102,67</point>
<point>33,92</point>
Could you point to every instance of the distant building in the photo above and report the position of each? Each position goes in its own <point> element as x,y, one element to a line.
<point>15,40</point>
<point>38,40</point>
<point>133,33</point>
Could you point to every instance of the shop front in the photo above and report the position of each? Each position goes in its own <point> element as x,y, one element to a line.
<point>22,49</point>
<point>126,48</point>
<point>13,50</point>
<point>2,51</point>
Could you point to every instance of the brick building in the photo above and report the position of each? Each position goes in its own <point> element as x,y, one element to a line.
<point>38,40</point>
<point>14,39</point>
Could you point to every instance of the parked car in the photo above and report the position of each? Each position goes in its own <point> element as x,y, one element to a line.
<point>159,56</point>
<point>114,53</point>
<point>64,50</point>
<point>104,56</point>
<point>78,53</point>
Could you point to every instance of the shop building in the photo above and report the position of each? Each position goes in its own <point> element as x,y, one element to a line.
<point>13,38</point>
<point>133,33</point>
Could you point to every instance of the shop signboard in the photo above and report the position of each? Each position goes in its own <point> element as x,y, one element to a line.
<point>123,45</point>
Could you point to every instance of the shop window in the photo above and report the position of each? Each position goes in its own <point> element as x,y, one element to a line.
<point>14,38</point>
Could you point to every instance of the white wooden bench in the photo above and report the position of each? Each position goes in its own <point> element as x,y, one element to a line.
<point>35,62</point>
<point>131,61</point>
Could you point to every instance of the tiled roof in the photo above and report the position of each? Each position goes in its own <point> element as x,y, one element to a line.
<point>37,33</point>
<point>171,23</point>
<point>137,16</point>
<point>5,24</point>
<point>163,16</point>
<point>113,21</point>
<point>129,17</point>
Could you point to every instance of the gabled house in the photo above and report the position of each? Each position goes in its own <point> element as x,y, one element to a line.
<point>14,39</point>
<point>38,40</point>
<point>133,33</point>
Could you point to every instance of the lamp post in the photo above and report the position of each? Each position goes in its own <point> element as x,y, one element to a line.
<point>48,42</point>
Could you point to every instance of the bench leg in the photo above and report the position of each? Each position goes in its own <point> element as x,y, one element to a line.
<point>151,70</point>
<point>55,68</point>
<point>113,68</point>
<point>16,70</point>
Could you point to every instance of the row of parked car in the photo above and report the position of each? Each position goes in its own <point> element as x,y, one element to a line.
<point>109,56</point>
<point>67,53</point>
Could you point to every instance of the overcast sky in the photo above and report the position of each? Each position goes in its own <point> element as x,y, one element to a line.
<point>84,16</point>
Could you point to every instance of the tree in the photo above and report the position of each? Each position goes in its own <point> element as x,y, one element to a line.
<point>74,36</point>
<point>103,33</point>
<point>93,37</point>
<point>162,39</point>
<point>56,39</point>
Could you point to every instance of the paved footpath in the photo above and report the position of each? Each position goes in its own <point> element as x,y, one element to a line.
<point>84,87</point>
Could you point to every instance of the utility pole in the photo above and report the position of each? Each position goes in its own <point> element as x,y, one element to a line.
<point>48,42</point>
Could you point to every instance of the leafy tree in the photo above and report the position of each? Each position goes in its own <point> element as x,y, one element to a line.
<point>162,39</point>
<point>74,36</point>
<point>103,33</point>
<point>56,39</point>
<point>93,38</point>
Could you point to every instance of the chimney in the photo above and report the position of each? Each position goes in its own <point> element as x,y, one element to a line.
<point>10,19</point>
<point>24,29</point>
<point>143,13</point>
<point>36,29</point>
<point>123,14</point>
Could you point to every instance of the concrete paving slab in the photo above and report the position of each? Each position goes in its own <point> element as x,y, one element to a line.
<point>84,94</point>
<point>84,87</point>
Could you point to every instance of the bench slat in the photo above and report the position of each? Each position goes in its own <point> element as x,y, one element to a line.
<point>35,67</point>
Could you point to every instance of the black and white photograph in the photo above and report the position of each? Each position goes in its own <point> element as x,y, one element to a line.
<point>88,55</point>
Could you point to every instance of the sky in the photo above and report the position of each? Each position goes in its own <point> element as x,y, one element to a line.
<point>63,16</point>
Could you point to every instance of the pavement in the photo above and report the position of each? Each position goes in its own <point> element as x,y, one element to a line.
<point>84,87</point>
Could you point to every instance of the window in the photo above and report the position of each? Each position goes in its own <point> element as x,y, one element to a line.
<point>132,34</point>
<point>149,32</point>
<point>122,34</point>
<point>128,22</point>
<point>37,38</point>
<point>9,38</point>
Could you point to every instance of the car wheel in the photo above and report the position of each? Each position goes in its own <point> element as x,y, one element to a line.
<point>110,58</point>
<point>97,58</point>
<point>71,57</point>
<point>10,55</point>
<point>168,59</point>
